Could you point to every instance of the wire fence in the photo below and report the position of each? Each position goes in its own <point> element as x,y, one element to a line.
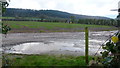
<point>106,41</point>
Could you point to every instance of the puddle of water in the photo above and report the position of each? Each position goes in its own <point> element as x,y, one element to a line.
<point>73,44</point>
<point>42,48</point>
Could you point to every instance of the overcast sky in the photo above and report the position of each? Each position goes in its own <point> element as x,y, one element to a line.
<point>84,7</point>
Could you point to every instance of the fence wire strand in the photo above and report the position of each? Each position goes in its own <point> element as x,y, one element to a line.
<point>106,41</point>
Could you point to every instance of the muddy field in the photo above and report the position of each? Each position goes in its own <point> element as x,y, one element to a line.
<point>57,29</point>
<point>71,43</point>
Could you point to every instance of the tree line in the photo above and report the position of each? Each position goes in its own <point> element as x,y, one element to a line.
<point>55,16</point>
<point>110,22</point>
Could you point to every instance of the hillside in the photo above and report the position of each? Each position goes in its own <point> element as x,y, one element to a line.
<point>15,12</point>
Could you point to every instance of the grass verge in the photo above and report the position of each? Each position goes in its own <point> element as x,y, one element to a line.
<point>46,60</point>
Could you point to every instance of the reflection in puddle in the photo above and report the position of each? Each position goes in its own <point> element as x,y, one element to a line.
<point>42,48</point>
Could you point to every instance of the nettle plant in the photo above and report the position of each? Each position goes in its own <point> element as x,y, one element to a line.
<point>111,54</point>
<point>5,28</point>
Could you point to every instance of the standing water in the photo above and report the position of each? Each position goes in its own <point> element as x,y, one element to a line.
<point>71,43</point>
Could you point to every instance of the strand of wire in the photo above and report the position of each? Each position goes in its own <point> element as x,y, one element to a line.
<point>106,41</point>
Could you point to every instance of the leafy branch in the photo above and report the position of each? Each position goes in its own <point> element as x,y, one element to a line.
<point>4,28</point>
<point>111,54</point>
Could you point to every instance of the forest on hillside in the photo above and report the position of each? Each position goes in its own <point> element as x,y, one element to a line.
<point>55,16</point>
<point>15,12</point>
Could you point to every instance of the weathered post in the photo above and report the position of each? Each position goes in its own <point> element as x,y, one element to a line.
<point>86,45</point>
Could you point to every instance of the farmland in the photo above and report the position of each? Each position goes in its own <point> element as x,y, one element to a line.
<point>21,32</point>
<point>31,26</point>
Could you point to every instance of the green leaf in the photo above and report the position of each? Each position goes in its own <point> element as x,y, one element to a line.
<point>103,47</point>
<point>5,29</point>
<point>105,54</point>
<point>108,43</point>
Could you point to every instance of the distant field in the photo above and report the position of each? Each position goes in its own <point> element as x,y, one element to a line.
<point>7,17</point>
<point>30,26</point>
<point>31,18</point>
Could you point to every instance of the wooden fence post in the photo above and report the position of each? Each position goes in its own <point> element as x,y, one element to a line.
<point>86,44</point>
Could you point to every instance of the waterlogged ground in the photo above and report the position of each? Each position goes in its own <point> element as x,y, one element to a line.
<point>68,43</point>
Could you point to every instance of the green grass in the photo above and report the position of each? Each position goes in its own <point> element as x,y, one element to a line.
<point>47,60</point>
<point>31,18</point>
<point>47,25</point>
<point>30,26</point>
<point>8,17</point>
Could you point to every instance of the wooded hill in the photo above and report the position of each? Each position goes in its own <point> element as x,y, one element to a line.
<point>51,14</point>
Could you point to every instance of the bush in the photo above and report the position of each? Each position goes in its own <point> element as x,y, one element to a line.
<point>111,54</point>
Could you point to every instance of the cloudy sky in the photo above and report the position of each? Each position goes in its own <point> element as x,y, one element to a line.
<point>84,7</point>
